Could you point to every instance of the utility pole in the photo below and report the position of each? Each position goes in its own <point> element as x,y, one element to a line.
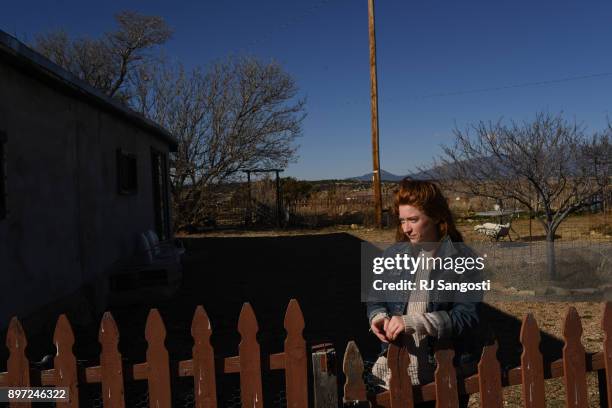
<point>374,97</point>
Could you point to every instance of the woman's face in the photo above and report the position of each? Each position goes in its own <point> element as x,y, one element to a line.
<point>418,227</point>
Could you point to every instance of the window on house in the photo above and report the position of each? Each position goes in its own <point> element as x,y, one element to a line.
<point>127,174</point>
<point>3,209</point>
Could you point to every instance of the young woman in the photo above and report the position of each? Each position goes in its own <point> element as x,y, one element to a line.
<point>426,229</point>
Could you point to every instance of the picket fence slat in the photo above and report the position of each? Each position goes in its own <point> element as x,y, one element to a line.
<point>400,383</point>
<point>352,366</point>
<point>606,325</point>
<point>203,366</point>
<point>158,362</point>
<point>18,366</point>
<point>446,380</point>
<point>532,365</point>
<point>295,363</point>
<point>489,378</point>
<point>250,359</point>
<point>111,366</point>
<point>64,363</point>
<point>574,364</point>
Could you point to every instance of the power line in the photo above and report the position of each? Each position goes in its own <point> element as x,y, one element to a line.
<point>522,85</point>
<point>493,89</point>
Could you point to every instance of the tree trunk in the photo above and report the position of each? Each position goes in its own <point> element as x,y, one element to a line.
<point>550,255</point>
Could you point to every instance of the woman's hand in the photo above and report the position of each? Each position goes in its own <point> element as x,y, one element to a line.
<point>378,327</point>
<point>395,327</point>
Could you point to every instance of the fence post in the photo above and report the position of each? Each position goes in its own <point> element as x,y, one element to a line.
<point>489,378</point>
<point>446,380</point>
<point>400,383</point>
<point>18,366</point>
<point>532,366</point>
<point>605,384</point>
<point>354,387</point>
<point>111,364</point>
<point>250,359</point>
<point>204,385</point>
<point>325,380</point>
<point>574,364</point>
<point>158,362</point>
<point>296,368</point>
<point>64,363</point>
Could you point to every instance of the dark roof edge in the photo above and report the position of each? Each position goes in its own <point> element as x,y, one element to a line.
<point>29,58</point>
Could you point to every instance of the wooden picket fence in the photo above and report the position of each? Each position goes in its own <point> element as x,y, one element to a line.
<point>157,370</point>
<point>112,374</point>
<point>488,381</point>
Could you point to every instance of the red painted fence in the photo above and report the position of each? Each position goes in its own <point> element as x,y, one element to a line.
<point>157,370</point>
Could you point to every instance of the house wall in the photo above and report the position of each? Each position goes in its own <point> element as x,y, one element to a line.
<point>66,222</point>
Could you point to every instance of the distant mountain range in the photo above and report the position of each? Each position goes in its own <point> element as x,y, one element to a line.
<point>386,176</point>
<point>450,169</point>
<point>432,173</point>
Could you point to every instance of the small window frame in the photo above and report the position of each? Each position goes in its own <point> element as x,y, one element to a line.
<point>127,172</point>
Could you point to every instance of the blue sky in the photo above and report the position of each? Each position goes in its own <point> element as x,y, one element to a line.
<point>425,49</point>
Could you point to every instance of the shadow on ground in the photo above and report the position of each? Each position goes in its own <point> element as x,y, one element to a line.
<point>320,271</point>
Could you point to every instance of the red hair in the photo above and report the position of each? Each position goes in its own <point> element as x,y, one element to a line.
<point>427,197</point>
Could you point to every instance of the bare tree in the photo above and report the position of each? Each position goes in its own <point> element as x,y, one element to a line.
<point>548,165</point>
<point>107,63</point>
<point>238,113</point>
